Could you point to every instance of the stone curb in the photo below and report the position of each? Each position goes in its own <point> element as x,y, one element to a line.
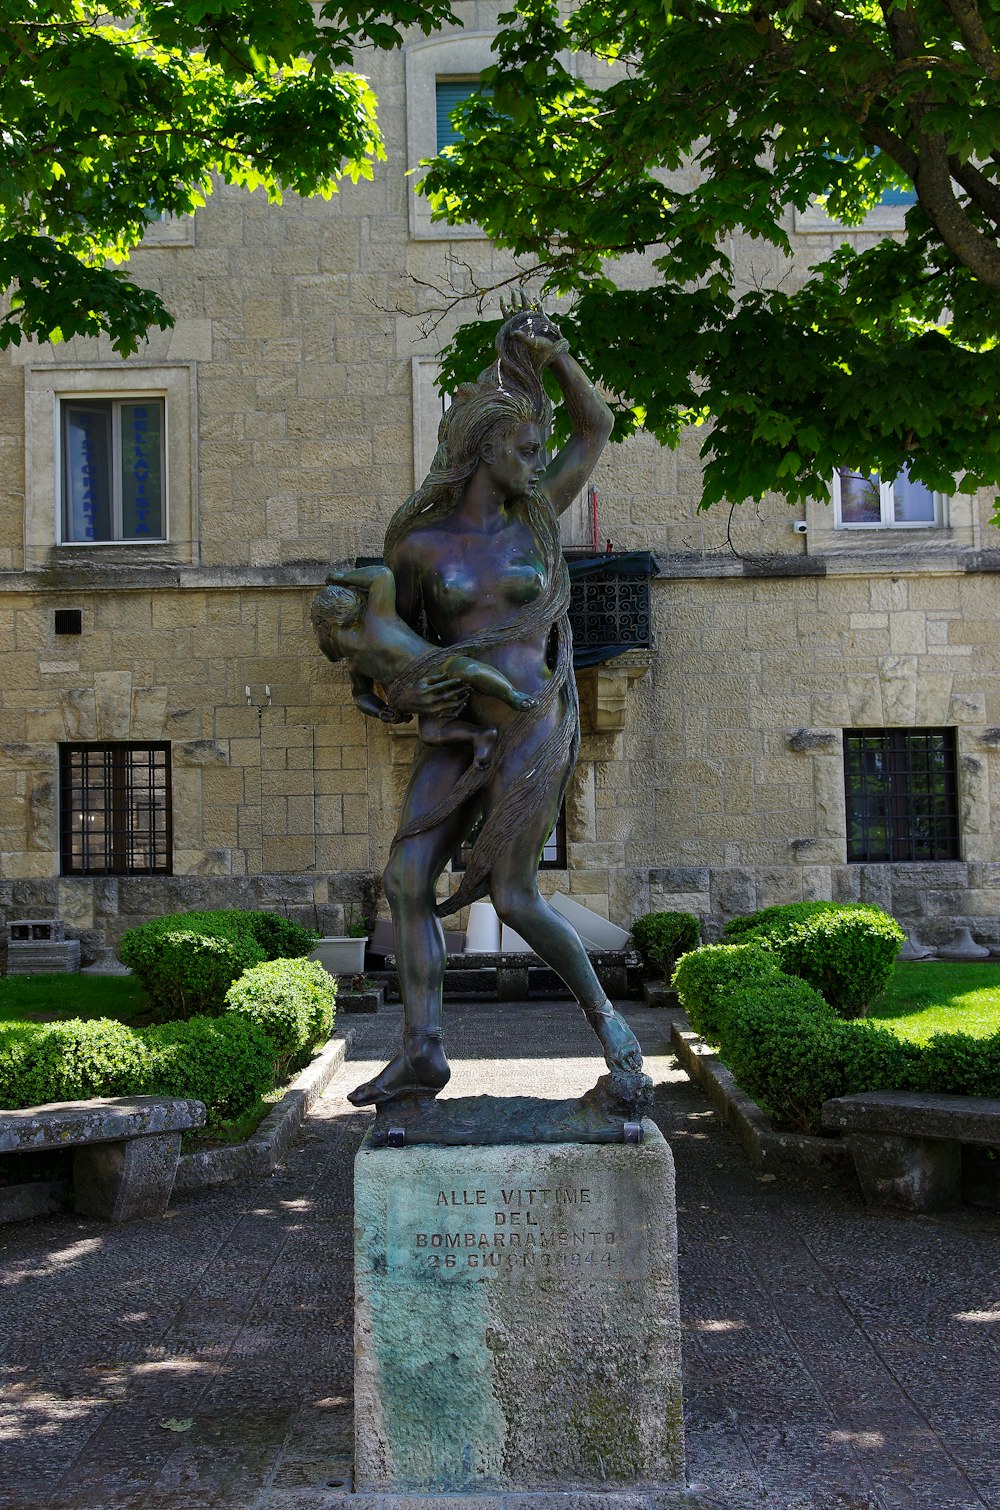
<point>269,1144</point>
<point>766,1148</point>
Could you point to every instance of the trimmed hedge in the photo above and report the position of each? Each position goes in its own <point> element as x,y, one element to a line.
<point>662,937</point>
<point>291,1000</point>
<point>846,952</point>
<point>226,1062</point>
<point>278,936</point>
<point>278,1010</point>
<point>187,961</point>
<point>791,1051</point>
<point>706,978</point>
<point>71,1061</point>
<point>848,955</point>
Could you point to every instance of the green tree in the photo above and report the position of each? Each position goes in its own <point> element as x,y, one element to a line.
<point>113,112</point>
<point>716,118</point>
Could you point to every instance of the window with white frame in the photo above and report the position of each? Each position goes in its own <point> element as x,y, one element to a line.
<point>110,461</point>
<point>440,72</point>
<point>112,472</point>
<point>867,501</point>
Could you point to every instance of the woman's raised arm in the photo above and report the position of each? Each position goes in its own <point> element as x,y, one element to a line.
<point>590,418</point>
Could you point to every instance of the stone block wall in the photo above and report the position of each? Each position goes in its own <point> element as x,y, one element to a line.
<point>292,365</point>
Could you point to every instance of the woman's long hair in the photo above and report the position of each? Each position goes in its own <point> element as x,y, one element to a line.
<point>505,396</point>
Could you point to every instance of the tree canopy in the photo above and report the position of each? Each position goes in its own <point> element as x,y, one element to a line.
<point>114,112</point>
<point>717,119</point>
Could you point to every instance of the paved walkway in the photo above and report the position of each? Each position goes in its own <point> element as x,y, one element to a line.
<point>835,1358</point>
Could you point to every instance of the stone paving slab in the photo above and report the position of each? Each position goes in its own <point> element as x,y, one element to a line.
<point>835,1357</point>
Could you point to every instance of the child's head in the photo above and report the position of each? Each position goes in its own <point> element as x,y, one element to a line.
<point>333,609</point>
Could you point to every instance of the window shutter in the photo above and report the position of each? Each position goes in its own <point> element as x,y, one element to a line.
<point>449,93</point>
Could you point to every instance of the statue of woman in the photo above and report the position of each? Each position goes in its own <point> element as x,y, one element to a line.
<point>479,570</point>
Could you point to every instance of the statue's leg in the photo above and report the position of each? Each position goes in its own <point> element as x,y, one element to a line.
<point>414,865</point>
<point>514,889</point>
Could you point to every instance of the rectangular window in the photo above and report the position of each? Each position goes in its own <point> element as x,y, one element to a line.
<point>113,469</point>
<point>115,816</point>
<point>553,853</point>
<point>902,794</point>
<point>866,502</point>
<point>450,92</point>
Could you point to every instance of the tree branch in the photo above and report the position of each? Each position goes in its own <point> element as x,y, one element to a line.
<point>984,193</point>
<point>975,36</point>
<point>933,182</point>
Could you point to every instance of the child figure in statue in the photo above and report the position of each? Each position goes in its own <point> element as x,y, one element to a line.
<point>355,618</point>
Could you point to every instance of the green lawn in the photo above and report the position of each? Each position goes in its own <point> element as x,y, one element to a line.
<point>54,998</point>
<point>928,997</point>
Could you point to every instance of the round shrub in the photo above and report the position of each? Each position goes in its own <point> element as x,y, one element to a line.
<point>662,937</point>
<point>291,1000</point>
<point>706,978</point>
<point>848,955</point>
<point>227,1062</point>
<point>186,962</point>
<point>846,951</point>
<point>71,1061</point>
<point>775,923</point>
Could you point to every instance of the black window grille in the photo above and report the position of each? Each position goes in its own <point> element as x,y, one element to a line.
<point>610,608</point>
<point>553,855</point>
<point>115,814</point>
<point>902,794</point>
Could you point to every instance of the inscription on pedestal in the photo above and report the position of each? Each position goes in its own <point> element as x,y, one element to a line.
<point>514,1232</point>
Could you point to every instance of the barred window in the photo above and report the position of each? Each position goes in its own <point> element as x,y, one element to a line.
<point>115,815</point>
<point>902,794</point>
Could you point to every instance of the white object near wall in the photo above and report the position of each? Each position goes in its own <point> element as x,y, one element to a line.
<point>482,935</point>
<point>511,942</point>
<point>595,931</point>
<point>341,956</point>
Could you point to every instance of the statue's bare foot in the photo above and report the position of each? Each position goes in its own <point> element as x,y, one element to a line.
<point>620,1045</point>
<point>421,1068</point>
<point>523,701</point>
<point>484,747</point>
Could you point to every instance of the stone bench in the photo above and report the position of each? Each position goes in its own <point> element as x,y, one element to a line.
<point>907,1145</point>
<point>125,1148</point>
<point>512,975</point>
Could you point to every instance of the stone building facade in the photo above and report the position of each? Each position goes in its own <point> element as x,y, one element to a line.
<point>295,390</point>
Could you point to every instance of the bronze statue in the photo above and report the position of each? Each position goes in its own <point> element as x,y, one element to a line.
<point>476,561</point>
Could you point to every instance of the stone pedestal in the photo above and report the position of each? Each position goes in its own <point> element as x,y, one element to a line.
<point>517,1322</point>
